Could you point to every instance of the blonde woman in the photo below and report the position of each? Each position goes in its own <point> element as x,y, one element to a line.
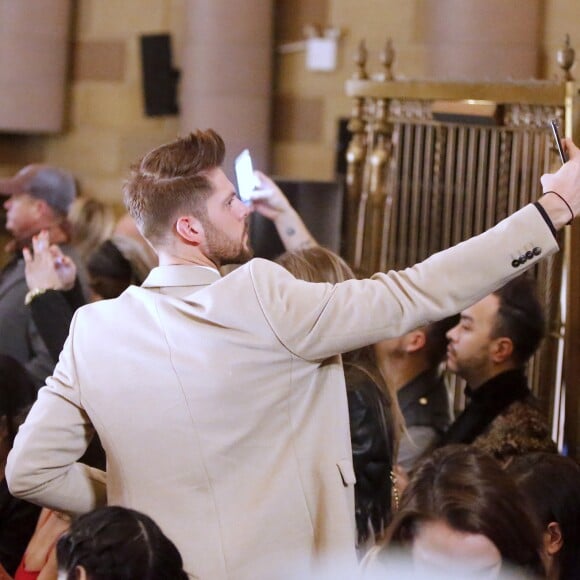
<point>92,222</point>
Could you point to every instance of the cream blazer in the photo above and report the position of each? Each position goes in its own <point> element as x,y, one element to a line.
<point>221,402</point>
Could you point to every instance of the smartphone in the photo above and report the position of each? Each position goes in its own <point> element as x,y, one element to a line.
<point>556,133</point>
<point>248,183</point>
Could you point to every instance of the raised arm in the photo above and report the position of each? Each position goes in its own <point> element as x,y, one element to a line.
<point>54,292</point>
<point>561,199</point>
<point>332,319</point>
<point>276,207</point>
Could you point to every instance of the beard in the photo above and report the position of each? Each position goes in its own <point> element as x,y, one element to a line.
<point>222,250</point>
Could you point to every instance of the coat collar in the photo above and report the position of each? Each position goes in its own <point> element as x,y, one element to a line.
<point>501,390</point>
<point>180,275</point>
<point>486,403</point>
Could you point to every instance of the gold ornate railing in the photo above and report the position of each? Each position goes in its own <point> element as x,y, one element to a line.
<point>432,163</point>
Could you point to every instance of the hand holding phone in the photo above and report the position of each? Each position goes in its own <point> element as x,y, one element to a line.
<point>556,133</point>
<point>248,183</point>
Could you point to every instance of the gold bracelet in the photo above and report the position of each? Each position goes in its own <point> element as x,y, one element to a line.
<point>32,294</point>
<point>394,491</point>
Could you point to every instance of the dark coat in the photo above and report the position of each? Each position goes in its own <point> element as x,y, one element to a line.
<point>372,439</point>
<point>502,418</point>
<point>424,402</point>
<point>425,405</point>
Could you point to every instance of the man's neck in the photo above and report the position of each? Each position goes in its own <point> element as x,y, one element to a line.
<point>56,235</point>
<point>477,381</point>
<point>167,258</point>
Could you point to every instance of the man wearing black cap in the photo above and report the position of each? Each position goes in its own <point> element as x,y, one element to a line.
<point>39,199</point>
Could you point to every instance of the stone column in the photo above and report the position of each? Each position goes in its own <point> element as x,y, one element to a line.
<point>226,74</point>
<point>34,47</point>
<point>482,39</point>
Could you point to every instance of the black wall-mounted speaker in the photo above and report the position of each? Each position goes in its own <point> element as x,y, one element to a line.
<point>159,76</point>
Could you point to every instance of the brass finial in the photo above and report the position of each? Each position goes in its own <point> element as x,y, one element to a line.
<point>380,124</point>
<point>387,57</point>
<point>565,57</point>
<point>360,60</point>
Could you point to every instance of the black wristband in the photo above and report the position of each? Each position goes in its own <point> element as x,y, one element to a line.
<point>546,217</point>
<point>567,204</point>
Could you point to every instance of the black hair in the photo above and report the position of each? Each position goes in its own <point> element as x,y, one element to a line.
<point>552,484</point>
<point>117,543</point>
<point>520,317</point>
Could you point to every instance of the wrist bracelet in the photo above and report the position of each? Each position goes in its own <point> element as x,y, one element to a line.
<point>32,294</point>
<point>395,496</point>
<point>567,204</point>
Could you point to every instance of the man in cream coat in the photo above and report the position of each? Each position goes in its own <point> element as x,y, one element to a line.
<point>220,401</point>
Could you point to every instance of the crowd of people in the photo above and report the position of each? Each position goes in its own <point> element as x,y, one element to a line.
<point>161,418</point>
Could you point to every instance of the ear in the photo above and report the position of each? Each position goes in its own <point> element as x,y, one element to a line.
<point>415,340</point>
<point>502,349</point>
<point>43,208</point>
<point>553,540</point>
<point>189,229</point>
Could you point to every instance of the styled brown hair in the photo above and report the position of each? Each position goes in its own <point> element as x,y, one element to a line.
<point>172,179</point>
<point>467,489</point>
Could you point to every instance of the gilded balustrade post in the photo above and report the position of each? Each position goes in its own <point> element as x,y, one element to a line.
<point>355,161</point>
<point>375,207</point>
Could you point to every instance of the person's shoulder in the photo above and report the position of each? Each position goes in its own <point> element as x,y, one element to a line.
<point>524,411</point>
<point>13,288</point>
<point>12,272</point>
<point>521,428</point>
<point>426,390</point>
<point>111,304</point>
<point>259,269</point>
<point>263,265</point>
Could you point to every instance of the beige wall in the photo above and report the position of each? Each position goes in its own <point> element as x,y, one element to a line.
<point>309,104</point>
<point>106,126</point>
